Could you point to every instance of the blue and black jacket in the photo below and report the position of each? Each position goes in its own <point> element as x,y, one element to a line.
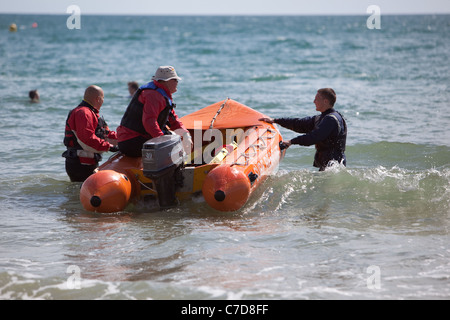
<point>132,118</point>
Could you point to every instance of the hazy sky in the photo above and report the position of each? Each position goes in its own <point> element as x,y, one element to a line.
<point>249,7</point>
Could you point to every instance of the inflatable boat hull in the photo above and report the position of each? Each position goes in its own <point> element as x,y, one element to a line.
<point>248,152</point>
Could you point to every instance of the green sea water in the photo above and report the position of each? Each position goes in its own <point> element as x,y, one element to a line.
<point>304,234</point>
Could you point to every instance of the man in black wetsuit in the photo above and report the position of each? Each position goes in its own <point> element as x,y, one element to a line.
<point>328,131</point>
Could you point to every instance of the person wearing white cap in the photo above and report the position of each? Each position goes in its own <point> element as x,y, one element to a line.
<point>149,113</point>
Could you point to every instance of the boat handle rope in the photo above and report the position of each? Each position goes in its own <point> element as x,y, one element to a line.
<point>247,156</point>
<point>218,112</point>
<point>264,139</point>
<point>144,185</point>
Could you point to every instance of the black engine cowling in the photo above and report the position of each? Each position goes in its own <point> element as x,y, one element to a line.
<point>162,159</point>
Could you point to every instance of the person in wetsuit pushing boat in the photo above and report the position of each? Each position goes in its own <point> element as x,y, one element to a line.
<point>327,131</point>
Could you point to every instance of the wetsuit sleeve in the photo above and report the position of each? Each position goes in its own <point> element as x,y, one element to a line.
<point>325,128</point>
<point>154,103</point>
<point>85,125</point>
<point>302,125</point>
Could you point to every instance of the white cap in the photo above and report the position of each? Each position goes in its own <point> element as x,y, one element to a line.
<point>165,73</point>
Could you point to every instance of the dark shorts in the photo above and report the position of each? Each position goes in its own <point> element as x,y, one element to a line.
<point>78,172</point>
<point>132,147</point>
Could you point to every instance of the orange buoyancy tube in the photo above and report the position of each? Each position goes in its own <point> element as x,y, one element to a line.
<point>226,188</point>
<point>106,191</point>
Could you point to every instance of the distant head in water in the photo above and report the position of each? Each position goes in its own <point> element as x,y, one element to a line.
<point>34,95</point>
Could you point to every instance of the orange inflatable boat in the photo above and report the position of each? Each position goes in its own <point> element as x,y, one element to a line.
<point>232,154</point>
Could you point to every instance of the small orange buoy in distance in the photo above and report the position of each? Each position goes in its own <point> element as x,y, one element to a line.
<point>13,27</point>
<point>34,25</point>
<point>226,188</point>
<point>105,191</point>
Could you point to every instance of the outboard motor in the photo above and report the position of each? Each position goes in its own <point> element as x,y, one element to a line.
<point>162,159</point>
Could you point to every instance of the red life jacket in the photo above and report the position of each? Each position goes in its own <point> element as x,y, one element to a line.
<point>74,149</point>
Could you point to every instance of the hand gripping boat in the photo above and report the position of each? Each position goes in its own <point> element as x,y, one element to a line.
<point>233,152</point>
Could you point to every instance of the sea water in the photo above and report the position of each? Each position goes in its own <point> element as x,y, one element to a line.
<point>377,229</point>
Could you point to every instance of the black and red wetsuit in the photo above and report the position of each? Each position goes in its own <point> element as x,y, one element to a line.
<point>86,136</point>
